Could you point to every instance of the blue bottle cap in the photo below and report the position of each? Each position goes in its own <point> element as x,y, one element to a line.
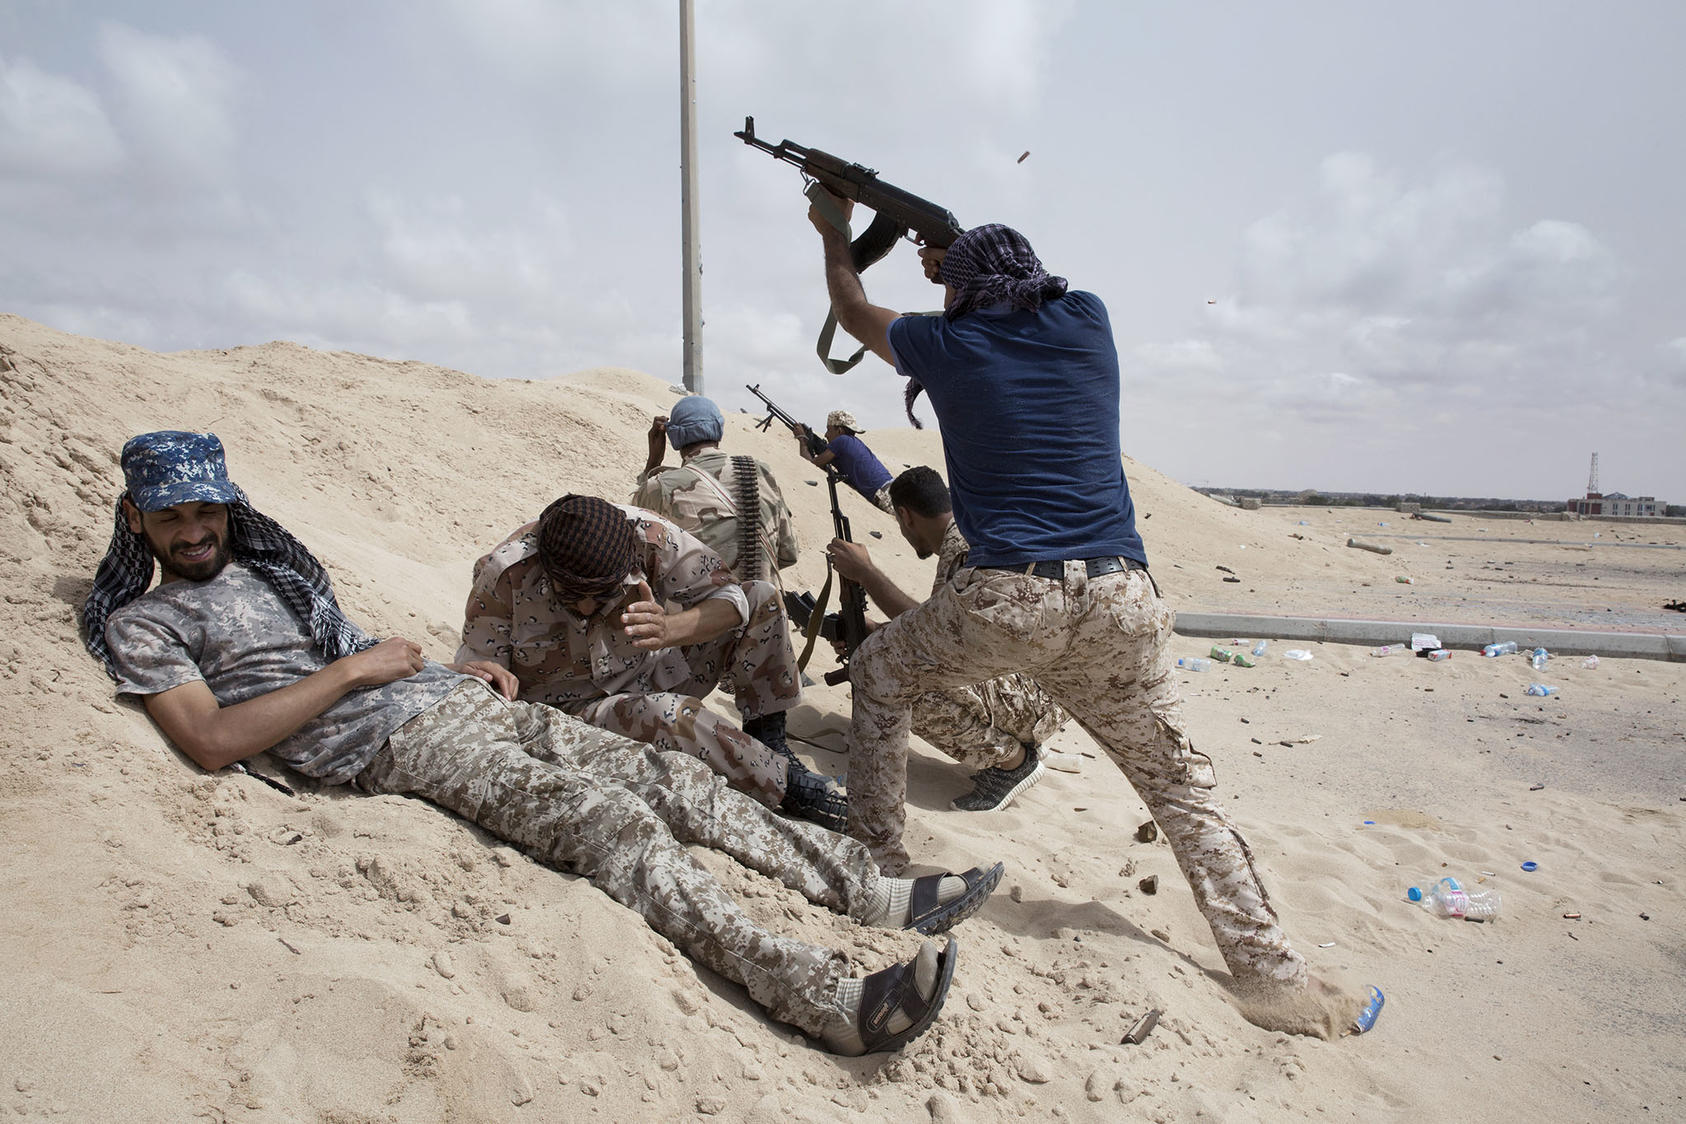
<point>1530,865</point>
<point>1415,893</point>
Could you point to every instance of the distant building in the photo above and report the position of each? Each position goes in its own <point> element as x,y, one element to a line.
<point>1614,503</point>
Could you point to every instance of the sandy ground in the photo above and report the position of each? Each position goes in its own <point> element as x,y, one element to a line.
<point>182,946</point>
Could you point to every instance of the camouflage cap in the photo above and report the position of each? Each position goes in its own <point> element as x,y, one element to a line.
<point>842,419</point>
<point>169,467</point>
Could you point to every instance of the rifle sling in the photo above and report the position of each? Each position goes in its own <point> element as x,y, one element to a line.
<point>880,237</point>
<point>816,621</point>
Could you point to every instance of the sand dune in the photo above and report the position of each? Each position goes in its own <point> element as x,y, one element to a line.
<point>185,946</point>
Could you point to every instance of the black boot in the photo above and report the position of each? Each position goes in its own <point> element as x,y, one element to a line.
<point>810,796</point>
<point>769,731</point>
<point>807,794</point>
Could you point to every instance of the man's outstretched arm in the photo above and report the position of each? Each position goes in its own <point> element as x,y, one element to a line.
<point>215,735</point>
<point>867,322</point>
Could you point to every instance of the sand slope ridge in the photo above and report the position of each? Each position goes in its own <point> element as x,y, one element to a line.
<point>186,946</point>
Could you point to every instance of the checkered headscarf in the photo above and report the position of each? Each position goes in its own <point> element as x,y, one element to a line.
<point>254,540</point>
<point>993,264</point>
<point>986,266</point>
<point>587,547</point>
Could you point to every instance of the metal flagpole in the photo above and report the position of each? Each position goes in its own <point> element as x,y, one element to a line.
<point>693,374</point>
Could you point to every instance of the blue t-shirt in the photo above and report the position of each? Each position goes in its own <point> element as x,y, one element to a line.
<point>1028,405</point>
<point>856,464</point>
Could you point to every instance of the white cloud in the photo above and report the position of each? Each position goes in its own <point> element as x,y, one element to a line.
<point>51,126</point>
<point>175,95</point>
<point>1188,356</point>
<point>545,41</point>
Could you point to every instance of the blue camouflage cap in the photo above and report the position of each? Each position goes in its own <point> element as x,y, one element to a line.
<point>170,467</point>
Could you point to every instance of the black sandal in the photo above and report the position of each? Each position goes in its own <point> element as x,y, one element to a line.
<point>929,917</point>
<point>896,989</point>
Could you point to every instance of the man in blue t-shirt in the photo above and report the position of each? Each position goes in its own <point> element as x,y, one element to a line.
<point>1023,376</point>
<point>846,453</point>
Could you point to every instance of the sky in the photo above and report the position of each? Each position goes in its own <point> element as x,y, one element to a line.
<point>1431,248</point>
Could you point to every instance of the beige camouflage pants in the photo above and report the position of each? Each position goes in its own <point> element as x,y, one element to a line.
<point>620,814</point>
<point>1098,646</point>
<point>985,723</point>
<point>756,663</point>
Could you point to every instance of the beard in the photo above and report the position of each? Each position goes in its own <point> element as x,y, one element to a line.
<point>205,569</point>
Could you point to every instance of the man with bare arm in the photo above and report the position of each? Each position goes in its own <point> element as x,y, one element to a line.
<point>242,649</point>
<point>997,726</point>
<point>1023,376</point>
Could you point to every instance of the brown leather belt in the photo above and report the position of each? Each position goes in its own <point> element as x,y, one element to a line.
<point>1054,571</point>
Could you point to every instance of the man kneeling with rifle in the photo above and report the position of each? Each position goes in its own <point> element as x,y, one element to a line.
<point>997,726</point>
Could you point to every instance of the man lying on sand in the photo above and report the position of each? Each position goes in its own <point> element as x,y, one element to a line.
<point>997,726</point>
<point>574,607</point>
<point>242,648</point>
<point>1024,379</point>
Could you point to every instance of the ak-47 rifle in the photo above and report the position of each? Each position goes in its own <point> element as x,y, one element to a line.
<point>895,213</point>
<point>816,443</point>
<point>847,626</point>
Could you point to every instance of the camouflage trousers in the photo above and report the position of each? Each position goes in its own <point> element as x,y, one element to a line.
<point>620,814</point>
<point>756,663</point>
<point>985,723</point>
<point>1098,646</point>
<point>881,500</point>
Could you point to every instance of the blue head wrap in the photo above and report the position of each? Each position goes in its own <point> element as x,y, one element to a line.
<point>694,418</point>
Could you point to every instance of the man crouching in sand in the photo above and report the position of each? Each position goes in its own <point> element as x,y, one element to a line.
<point>242,648</point>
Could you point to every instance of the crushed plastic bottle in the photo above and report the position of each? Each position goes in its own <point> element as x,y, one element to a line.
<point>1590,661</point>
<point>1241,659</point>
<point>1296,654</point>
<point>1446,898</point>
<point>1504,649</point>
<point>1193,663</point>
<point>1387,649</point>
<point>1540,690</point>
<point>1259,648</point>
<point>1539,658</point>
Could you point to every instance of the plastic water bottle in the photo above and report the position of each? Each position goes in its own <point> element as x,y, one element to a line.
<point>1540,689</point>
<point>1539,658</point>
<point>1296,654</point>
<point>1504,649</point>
<point>1193,663</point>
<point>1446,898</point>
<point>1439,654</point>
<point>1259,648</point>
<point>1387,650</point>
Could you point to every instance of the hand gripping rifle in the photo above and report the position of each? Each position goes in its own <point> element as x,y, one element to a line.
<point>848,624</point>
<point>895,213</point>
<point>816,443</point>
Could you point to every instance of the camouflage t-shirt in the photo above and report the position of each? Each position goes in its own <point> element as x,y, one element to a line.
<point>696,504</point>
<point>236,635</point>
<point>951,557</point>
<point>563,659</point>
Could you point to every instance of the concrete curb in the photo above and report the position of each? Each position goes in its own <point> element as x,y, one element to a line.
<point>1616,645</point>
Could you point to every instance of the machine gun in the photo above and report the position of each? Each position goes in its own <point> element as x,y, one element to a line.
<point>847,626</point>
<point>816,444</point>
<point>895,213</point>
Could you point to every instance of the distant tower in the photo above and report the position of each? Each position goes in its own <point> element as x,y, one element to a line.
<point>1592,491</point>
